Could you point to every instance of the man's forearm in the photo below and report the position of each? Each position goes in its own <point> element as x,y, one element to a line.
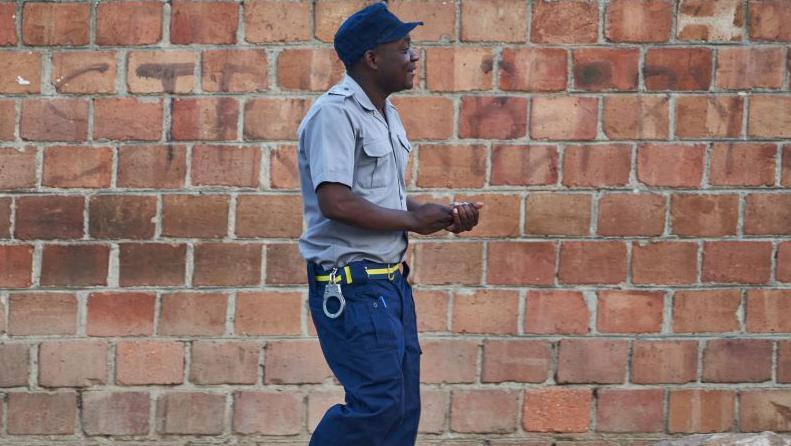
<point>339,203</point>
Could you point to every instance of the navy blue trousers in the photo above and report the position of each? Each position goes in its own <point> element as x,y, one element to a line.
<point>372,348</point>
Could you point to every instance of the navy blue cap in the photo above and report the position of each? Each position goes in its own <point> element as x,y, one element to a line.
<point>367,28</point>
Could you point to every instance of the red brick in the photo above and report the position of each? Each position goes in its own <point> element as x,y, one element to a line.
<point>483,411</point>
<point>439,18</point>
<point>533,69</point>
<point>20,72</point>
<point>592,262</point>
<point>203,22</point>
<point>14,364</point>
<point>564,118</point>
<point>42,314</point>
<point>597,165</point>
<point>426,117</point>
<point>234,71</point>
<point>115,413</point>
<point>160,167</point>
<point>515,263</point>
<point>565,21</point>
<point>319,402</point>
<point>501,217</point>
<point>268,413</point>
<point>670,165</point>
<point>161,71</point>
<point>704,215</point>
<point>452,166</point>
<point>493,21</point>
<point>708,20</point>
<point>621,410</point>
<point>709,116</point>
<point>524,165</point>
<point>493,117</point>
<point>696,410</point>
<point>766,309</point>
<point>277,21</point>
<point>556,312</point>
<point>598,361</point>
<point>17,168</point>
<point>75,265</point>
<point>295,362</point>
<point>487,311</point>
<point>767,18</point>
<point>558,214</point>
<point>152,264</point>
<point>149,362</point>
<point>557,409</point>
<point>48,24</point>
<point>5,217</point>
<point>743,164</point>
<point>433,411</point>
<point>704,311</point>
<point>658,362</point>
<point>636,117</point>
<point>269,216</point>
<point>225,166</point>
<point>329,14</point>
<point>7,118</point>
<point>630,311</point>
<point>459,69</point>
<point>16,266</point>
<point>638,20</point>
<point>194,413</point>
<point>84,71</point>
<point>515,361</point>
<point>120,314</point>
<point>449,361</point>
<point>193,314</point>
<point>49,217</point>
<point>432,310</point>
<point>54,120</point>
<point>284,265</point>
<point>122,216</point>
<point>767,214</point>
<point>770,116</point>
<point>268,314</point>
<point>750,67</point>
<point>128,23</point>
<point>764,410</point>
<point>204,216</point>
<point>631,215</point>
<point>8,20</point>
<point>312,69</point>
<point>72,363</point>
<point>784,362</point>
<point>447,263</point>
<point>737,262</point>
<point>213,119</point>
<point>215,362</point>
<point>677,68</point>
<point>724,359</point>
<point>41,413</point>
<point>274,118</point>
<point>227,264</point>
<point>598,69</point>
<point>665,263</point>
<point>283,172</point>
<point>78,167</point>
<point>128,119</point>
<point>783,271</point>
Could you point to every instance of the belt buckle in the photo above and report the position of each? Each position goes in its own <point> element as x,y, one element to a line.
<point>390,274</point>
<point>333,289</point>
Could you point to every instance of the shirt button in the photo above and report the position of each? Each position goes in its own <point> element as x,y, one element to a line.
<point>376,305</point>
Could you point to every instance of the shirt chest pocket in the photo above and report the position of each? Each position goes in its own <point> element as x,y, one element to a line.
<point>377,168</point>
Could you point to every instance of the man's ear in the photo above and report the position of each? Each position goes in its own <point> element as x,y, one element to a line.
<point>369,59</point>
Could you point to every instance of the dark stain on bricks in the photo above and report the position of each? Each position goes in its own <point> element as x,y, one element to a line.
<point>227,72</point>
<point>167,73</point>
<point>52,108</point>
<point>487,64</point>
<point>100,67</point>
<point>592,74</point>
<point>169,155</point>
<point>225,125</point>
<point>667,78</point>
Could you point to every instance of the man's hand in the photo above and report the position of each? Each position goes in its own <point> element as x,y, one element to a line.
<point>430,218</point>
<point>465,216</point>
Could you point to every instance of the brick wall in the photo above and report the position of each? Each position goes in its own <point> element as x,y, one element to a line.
<point>629,279</point>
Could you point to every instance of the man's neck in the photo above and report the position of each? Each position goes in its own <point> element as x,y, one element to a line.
<point>377,96</point>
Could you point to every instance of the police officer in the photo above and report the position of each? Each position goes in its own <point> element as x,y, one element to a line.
<point>353,154</point>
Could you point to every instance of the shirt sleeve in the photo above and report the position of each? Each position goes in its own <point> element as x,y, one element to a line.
<point>329,142</point>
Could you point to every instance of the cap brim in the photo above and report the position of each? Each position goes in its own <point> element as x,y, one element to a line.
<point>398,32</point>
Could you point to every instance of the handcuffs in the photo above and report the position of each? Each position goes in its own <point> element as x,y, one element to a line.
<point>333,289</point>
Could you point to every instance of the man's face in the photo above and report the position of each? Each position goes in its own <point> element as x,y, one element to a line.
<point>397,62</point>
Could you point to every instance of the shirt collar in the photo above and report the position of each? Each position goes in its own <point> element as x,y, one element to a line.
<point>360,95</point>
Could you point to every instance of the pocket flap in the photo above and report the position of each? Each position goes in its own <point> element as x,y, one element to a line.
<point>377,147</point>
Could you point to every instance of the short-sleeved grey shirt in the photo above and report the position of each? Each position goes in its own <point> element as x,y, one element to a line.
<point>345,139</point>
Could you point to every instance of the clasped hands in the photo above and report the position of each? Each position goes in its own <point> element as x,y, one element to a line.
<point>456,218</point>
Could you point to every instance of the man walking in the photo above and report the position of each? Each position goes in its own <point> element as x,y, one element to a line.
<point>353,154</point>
